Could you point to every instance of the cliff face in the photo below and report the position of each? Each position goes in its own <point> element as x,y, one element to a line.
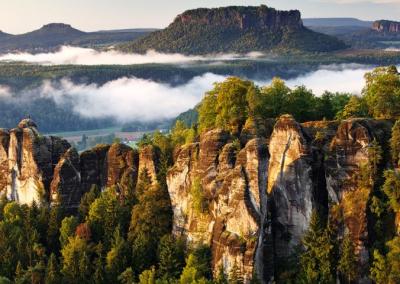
<point>34,168</point>
<point>259,199</point>
<point>250,200</point>
<point>241,29</point>
<point>386,26</point>
<point>243,18</point>
<point>233,199</point>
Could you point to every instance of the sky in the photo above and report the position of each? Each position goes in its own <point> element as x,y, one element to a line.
<point>19,16</point>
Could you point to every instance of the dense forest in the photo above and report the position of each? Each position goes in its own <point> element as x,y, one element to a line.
<point>123,234</point>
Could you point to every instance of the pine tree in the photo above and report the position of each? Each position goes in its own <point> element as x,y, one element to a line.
<point>117,257</point>
<point>379,271</point>
<point>52,273</point>
<point>395,143</point>
<point>317,260</point>
<point>235,275</point>
<point>347,265</point>
<point>171,257</point>
<point>221,277</point>
<point>127,277</point>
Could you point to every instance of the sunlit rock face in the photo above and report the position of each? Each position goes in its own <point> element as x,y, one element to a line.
<point>290,185</point>
<point>233,183</point>
<point>35,168</point>
<point>31,160</point>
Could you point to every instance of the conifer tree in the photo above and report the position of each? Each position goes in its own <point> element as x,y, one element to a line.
<point>52,271</point>
<point>347,265</point>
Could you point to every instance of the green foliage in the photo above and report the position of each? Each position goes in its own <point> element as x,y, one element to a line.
<point>234,101</point>
<point>382,92</point>
<point>68,227</point>
<point>148,276</point>
<point>222,34</point>
<point>348,264</point>
<point>391,187</point>
<point>75,261</point>
<point>171,257</point>
<point>52,271</point>
<point>191,274</point>
<point>317,263</point>
<point>386,269</point>
<point>118,257</point>
<point>199,201</point>
<point>87,199</point>
<point>395,143</point>
<point>356,107</point>
<point>235,275</point>
<point>181,135</point>
<point>379,271</point>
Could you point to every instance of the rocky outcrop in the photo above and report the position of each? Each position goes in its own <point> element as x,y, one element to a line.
<point>350,174</point>
<point>35,168</point>
<point>243,18</point>
<point>384,26</point>
<point>232,184</point>
<point>290,185</point>
<point>260,195</point>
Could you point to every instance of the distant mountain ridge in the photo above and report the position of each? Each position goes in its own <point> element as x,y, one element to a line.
<point>336,22</point>
<point>53,35</point>
<point>235,29</point>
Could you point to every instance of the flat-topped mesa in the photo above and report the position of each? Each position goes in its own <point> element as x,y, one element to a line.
<point>384,26</point>
<point>244,18</point>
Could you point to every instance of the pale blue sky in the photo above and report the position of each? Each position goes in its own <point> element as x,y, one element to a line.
<point>18,16</point>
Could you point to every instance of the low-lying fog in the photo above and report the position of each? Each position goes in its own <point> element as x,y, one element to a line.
<point>134,99</point>
<point>88,56</point>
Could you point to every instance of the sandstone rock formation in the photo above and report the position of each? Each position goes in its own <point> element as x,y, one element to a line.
<point>244,18</point>
<point>233,185</point>
<point>260,196</point>
<point>34,168</point>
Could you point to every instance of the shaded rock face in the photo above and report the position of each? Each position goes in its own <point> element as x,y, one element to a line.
<point>243,18</point>
<point>233,184</point>
<point>386,26</point>
<point>349,153</point>
<point>34,168</point>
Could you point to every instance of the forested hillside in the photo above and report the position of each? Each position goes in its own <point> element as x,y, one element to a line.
<point>235,29</point>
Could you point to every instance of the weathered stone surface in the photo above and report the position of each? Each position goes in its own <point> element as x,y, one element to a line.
<point>34,168</point>
<point>148,160</point>
<point>93,167</point>
<point>244,18</point>
<point>66,187</point>
<point>233,184</point>
<point>31,161</point>
<point>290,185</point>
<point>348,154</point>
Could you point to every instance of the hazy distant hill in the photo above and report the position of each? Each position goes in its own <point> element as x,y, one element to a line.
<point>54,35</point>
<point>235,29</point>
<point>336,22</point>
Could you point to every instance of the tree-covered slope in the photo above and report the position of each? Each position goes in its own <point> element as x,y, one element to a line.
<point>235,29</point>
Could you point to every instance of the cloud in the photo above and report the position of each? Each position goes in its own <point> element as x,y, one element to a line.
<point>129,99</point>
<point>134,99</point>
<point>87,56</point>
<point>334,78</point>
<point>5,92</point>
